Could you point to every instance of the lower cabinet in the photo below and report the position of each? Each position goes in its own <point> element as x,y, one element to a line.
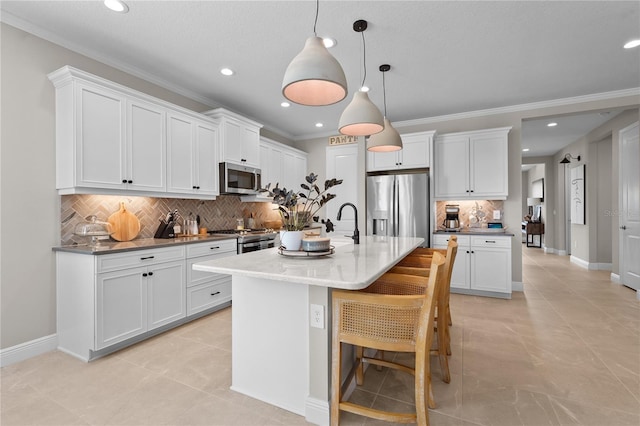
<point>105,302</point>
<point>482,266</point>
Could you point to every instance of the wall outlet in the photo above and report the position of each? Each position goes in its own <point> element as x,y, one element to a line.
<point>316,316</point>
<point>496,214</point>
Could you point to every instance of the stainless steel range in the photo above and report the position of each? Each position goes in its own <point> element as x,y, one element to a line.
<point>251,239</point>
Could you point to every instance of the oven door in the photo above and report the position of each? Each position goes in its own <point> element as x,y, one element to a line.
<point>239,179</point>
<point>255,246</point>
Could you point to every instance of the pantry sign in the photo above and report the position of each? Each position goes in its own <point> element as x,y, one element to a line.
<point>342,140</point>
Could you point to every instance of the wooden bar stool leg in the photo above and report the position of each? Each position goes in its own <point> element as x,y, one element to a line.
<point>335,382</point>
<point>360,365</point>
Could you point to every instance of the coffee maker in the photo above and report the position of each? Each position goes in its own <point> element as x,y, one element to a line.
<point>451,221</point>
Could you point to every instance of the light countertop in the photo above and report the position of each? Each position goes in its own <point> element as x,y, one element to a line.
<point>351,267</point>
<point>110,247</point>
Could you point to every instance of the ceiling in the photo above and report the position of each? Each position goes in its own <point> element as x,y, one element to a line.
<point>447,56</point>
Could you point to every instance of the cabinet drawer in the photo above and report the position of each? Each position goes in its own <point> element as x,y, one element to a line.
<point>208,295</point>
<point>199,277</point>
<point>488,241</point>
<point>441,240</point>
<point>212,247</point>
<point>113,262</point>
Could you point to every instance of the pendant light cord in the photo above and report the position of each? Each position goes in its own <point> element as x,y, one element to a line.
<point>364,60</point>
<point>316,21</point>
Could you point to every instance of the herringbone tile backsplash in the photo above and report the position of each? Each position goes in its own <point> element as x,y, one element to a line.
<point>215,215</point>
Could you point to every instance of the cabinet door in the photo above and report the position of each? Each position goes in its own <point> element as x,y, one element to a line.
<point>488,166</point>
<point>382,160</point>
<point>206,161</point>
<point>120,306</point>
<point>415,151</point>
<point>490,269</point>
<point>100,138</point>
<point>451,165</point>
<point>146,147</point>
<point>277,174</point>
<point>233,141</point>
<point>180,154</point>
<point>460,273</point>
<point>250,146</point>
<point>300,167</point>
<point>265,165</point>
<point>166,292</point>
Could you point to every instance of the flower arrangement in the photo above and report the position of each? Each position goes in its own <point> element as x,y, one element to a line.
<point>296,208</point>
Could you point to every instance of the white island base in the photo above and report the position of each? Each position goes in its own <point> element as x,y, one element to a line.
<point>277,356</point>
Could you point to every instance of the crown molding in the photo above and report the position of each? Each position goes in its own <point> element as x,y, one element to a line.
<point>635,91</point>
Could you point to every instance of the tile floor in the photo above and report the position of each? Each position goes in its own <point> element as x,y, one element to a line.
<point>564,352</point>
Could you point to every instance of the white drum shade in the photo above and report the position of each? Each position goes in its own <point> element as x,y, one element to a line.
<point>314,77</point>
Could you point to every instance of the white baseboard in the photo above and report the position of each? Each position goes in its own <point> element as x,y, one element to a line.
<point>317,411</point>
<point>517,286</point>
<point>615,278</point>
<point>582,263</point>
<point>28,350</point>
<point>561,252</point>
<point>549,250</point>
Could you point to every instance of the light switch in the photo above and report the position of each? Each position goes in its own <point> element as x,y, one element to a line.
<point>496,214</point>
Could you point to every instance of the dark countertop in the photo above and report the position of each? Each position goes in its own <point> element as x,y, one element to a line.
<point>110,246</point>
<point>471,231</point>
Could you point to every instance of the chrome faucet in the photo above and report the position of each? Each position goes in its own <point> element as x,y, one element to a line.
<point>356,234</point>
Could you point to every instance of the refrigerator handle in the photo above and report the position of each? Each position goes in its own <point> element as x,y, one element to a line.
<point>396,208</point>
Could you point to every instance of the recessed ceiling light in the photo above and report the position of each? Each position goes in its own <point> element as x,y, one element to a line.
<point>319,125</point>
<point>364,89</point>
<point>329,42</point>
<point>226,71</point>
<point>285,104</point>
<point>525,149</point>
<point>117,6</point>
<point>552,124</point>
<point>631,44</point>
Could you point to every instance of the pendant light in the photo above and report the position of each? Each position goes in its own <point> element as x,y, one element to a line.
<point>389,139</point>
<point>314,77</point>
<point>361,117</point>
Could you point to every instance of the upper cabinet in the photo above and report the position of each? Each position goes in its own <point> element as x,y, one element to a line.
<point>239,137</point>
<point>193,156</point>
<point>113,140</point>
<point>415,153</point>
<point>280,164</point>
<point>472,165</point>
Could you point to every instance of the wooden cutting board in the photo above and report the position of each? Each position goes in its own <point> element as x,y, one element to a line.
<point>126,225</point>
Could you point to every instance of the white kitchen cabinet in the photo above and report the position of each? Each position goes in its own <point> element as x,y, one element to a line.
<point>239,137</point>
<point>207,290</point>
<point>107,140</point>
<point>482,265</point>
<point>193,156</point>
<point>472,165</point>
<point>108,301</point>
<point>280,164</point>
<point>114,140</point>
<point>415,153</point>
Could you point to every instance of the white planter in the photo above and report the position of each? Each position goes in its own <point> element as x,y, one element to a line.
<point>291,240</point>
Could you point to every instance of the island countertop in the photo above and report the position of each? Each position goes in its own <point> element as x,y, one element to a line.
<point>351,267</point>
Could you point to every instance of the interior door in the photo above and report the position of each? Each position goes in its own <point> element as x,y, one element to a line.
<point>342,163</point>
<point>630,207</point>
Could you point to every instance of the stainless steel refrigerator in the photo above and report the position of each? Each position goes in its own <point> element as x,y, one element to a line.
<point>398,205</point>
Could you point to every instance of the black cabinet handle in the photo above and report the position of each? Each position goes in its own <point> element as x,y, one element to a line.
<point>214,248</point>
<point>193,187</point>
<point>150,273</point>
<point>197,187</point>
<point>144,275</point>
<point>216,293</point>
<point>488,241</point>
<point>471,190</point>
<point>148,257</point>
<point>467,251</point>
<point>472,251</point>
<point>124,181</point>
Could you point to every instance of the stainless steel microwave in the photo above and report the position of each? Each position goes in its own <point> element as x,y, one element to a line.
<point>239,179</point>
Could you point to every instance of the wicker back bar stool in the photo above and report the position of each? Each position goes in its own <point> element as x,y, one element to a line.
<point>401,323</point>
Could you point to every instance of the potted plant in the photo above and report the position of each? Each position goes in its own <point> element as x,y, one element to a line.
<point>297,208</point>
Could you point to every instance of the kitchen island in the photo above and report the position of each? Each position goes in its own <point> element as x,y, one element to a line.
<point>281,332</point>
